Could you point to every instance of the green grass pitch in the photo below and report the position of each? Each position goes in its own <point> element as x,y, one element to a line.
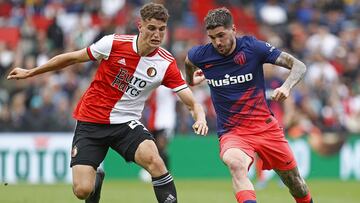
<point>189,191</point>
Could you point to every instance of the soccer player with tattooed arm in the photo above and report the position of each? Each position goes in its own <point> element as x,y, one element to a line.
<point>108,114</point>
<point>233,68</point>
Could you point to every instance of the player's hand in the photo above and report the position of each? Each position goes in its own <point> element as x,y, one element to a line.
<point>198,77</point>
<point>200,128</point>
<point>280,94</point>
<point>18,73</point>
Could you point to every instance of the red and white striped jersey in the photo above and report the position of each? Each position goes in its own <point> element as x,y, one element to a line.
<point>124,80</point>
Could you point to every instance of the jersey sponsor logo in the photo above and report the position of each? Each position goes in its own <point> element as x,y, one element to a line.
<point>230,80</point>
<point>151,72</point>
<point>240,58</point>
<point>128,84</point>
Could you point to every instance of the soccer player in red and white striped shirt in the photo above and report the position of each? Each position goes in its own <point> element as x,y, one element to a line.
<point>108,114</point>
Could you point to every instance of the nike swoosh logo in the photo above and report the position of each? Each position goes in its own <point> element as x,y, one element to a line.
<point>208,65</point>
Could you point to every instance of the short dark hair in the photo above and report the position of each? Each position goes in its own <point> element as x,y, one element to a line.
<point>154,10</point>
<point>218,17</point>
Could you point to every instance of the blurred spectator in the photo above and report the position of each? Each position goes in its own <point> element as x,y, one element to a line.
<point>55,36</point>
<point>6,58</point>
<point>272,13</point>
<point>322,41</point>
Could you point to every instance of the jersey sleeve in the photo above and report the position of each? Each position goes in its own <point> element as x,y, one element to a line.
<point>192,55</point>
<point>173,78</point>
<point>101,49</point>
<point>266,52</point>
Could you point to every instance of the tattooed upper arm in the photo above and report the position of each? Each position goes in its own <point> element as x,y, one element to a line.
<point>285,60</point>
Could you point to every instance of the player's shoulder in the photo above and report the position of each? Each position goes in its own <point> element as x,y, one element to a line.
<point>200,49</point>
<point>165,54</point>
<point>116,37</point>
<point>247,40</point>
<point>198,52</point>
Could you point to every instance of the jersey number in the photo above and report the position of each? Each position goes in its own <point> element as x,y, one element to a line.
<point>135,123</point>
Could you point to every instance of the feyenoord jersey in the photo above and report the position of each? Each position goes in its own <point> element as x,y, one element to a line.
<point>236,83</point>
<point>124,80</point>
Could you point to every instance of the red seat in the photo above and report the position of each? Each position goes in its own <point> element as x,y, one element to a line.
<point>10,35</point>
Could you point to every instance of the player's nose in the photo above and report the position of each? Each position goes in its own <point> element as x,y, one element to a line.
<point>156,34</point>
<point>218,42</point>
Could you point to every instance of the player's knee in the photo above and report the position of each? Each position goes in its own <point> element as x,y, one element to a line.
<point>82,191</point>
<point>155,163</point>
<point>236,166</point>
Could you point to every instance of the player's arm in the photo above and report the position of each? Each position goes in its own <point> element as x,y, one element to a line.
<point>297,72</point>
<point>200,127</point>
<point>194,75</point>
<point>56,63</point>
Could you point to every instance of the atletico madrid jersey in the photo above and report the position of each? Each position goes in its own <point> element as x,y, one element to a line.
<point>124,80</point>
<point>236,83</point>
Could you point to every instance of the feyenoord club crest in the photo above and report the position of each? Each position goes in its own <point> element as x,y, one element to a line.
<point>240,58</point>
<point>74,151</point>
<point>151,72</point>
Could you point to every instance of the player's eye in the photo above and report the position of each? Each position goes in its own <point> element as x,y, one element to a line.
<point>151,28</point>
<point>162,28</point>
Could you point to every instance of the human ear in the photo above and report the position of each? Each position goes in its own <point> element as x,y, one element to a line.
<point>139,26</point>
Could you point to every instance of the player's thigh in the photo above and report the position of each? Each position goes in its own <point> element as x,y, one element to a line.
<point>90,144</point>
<point>128,139</point>
<point>147,156</point>
<point>146,153</point>
<point>235,150</point>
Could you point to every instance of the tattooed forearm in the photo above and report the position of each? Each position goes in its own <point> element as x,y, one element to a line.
<point>297,69</point>
<point>189,70</point>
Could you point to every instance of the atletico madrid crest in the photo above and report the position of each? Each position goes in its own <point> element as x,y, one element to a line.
<point>240,58</point>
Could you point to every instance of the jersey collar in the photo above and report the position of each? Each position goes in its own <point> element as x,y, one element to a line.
<point>135,48</point>
<point>134,43</point>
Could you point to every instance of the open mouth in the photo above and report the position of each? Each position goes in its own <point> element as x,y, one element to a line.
<point>155,41</point>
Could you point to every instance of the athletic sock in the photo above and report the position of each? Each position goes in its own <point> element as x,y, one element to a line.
<point>306,199</point>
<point>94,197</point>
<point>246,196</point>
<point>164,188</point>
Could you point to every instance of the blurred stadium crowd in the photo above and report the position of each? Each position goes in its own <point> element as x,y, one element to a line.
<point>325,34</point>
